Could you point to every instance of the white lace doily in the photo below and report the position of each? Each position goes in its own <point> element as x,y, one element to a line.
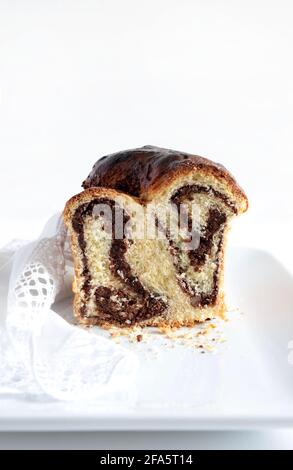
<point>42,355</point>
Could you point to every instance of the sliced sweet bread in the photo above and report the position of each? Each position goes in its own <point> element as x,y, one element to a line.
<point>148,238</point>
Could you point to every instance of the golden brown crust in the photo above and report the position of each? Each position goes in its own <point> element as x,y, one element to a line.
<point>143,171</point>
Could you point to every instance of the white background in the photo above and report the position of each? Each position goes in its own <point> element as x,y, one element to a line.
<point>80,79</point>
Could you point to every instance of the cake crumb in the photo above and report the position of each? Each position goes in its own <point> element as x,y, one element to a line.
<point>204,337</point>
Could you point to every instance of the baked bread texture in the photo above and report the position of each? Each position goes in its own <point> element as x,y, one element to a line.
<point>148,238</point>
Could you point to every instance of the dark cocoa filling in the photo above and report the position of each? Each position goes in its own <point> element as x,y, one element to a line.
<point>198,256</point>
<point>186,192</point>
<point>215,221</point>
<point>203,298</point>
<point>123,306</point>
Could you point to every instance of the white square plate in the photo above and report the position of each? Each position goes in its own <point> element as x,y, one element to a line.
<point>247,384</point>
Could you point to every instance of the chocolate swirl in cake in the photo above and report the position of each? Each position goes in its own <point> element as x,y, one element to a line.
<point>131,304</point>
<point>197,257</point>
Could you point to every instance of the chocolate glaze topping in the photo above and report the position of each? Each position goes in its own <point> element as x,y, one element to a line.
<point>135,171</point>
<point>132,171</point>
